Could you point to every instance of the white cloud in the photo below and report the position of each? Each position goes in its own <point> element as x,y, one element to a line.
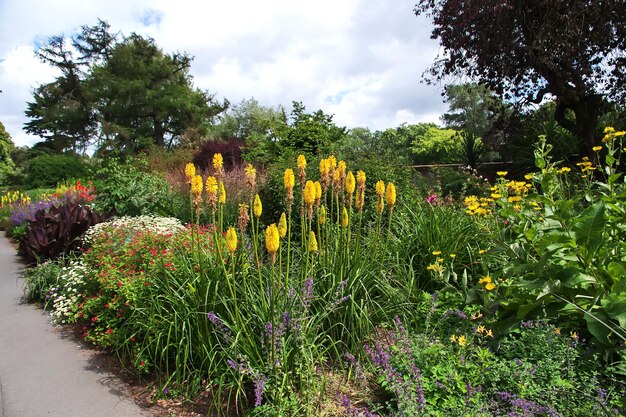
<point>358,59</point>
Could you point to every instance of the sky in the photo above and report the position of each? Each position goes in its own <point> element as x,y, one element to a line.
<point>359,60</point>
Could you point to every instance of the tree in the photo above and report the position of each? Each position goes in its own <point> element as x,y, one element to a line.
<point>122,95</point>
<point>312,133</point>
<point>7,167</point>
<point>573,50</point>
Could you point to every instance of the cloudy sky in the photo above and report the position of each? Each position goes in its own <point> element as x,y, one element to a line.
<point>360,60</point>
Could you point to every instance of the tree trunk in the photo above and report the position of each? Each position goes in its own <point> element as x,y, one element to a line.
<point>587,110</point>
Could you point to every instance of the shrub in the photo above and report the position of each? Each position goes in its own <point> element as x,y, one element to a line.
<point>56,231</point>
<point>48,170</point>
<point>130,191</point>
<point>230,150</point>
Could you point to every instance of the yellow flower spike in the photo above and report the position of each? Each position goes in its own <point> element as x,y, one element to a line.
<point>342,167</point>
<point>350,183</point>
<point>360,178</point>
<point>309,193</point>
<point>190,171</point>
<point>282,225</point>
<point>231,240</point>
<point>332,161</point>
<point>318,190</point>
<point>218,162</point>
<point>502,173</point>
<point>324,167</point>
<point>597,148</point>
<point>257,206</point>
<point>391,195</point>
<point>272,239</point>
<point>344,218</point>
<point>196,184</point>
<point>380,188</point>
<point>250,173</point>
<point>301,162</point>
<point>289,179</point>
<point>312,242</point>
<point>222,197</point>
<point>322,215</point>
<point>211,185</point>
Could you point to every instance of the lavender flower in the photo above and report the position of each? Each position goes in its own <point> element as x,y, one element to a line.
<point>259,387</point>
<point>307,293</point>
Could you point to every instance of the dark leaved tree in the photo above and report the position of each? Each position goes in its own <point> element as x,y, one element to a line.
<point>573,50</point>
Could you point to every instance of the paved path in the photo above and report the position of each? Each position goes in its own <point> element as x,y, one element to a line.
<point>43,373</point>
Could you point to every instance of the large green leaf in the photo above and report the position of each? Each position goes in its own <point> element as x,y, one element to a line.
<point>589,229</point>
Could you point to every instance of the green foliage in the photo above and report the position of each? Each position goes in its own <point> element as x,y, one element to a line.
<point>565,252</point>
<point>435,146</point>
<point>453,369</point>
<point>122,95</point>
<point>7,166</point>
<point>49,170</point>
<point>39,280</point>
<point>128,190</point>
<point>311,133</point>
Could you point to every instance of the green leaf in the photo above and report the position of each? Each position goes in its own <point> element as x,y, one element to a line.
<point>589,229</point>
<point>596,328</point>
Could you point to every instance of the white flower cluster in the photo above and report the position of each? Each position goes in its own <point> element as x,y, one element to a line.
<point>65,297</point>
<point>161,225</point>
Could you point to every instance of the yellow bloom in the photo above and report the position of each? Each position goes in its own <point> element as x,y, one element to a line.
<point>573,335</point>
<point>485,280</point>
<point>282,225</point>
<point>453,255</point>
<point>272,239</point>
<point>309,193</point>
<point>322,215</point>
<point>190,171</point>
<point>481,329</point>
<point>435,267</point>
<point>380,188</point>
<point>360,178</point>
<point>391,195</point>
<point>257,207</point>
<point>218,162</point>
<point>222,197</point>
<point>250,175</point>
<point>196,184</point>
<point>350,183</point>
<point>332,161</point>
<point>211,186</point>
<point>490,286</point>
<point>437,252</point>
<point>462,340</point>
<point>231,240</point>
<point>557,331</point>
<point>344,218</point>
<point>528,176</point>
<point>453,338</point>
<point>502,173</point>
<point>482,252</point>
<point>312,242</point>
<point>489,333</point>
<point>301,162</point>
<point>563,170</point>
<point>318,190</point>
<point>496,195</point>
<point>597,148</point>
<point>324,167</point>
<point>289,179</point>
